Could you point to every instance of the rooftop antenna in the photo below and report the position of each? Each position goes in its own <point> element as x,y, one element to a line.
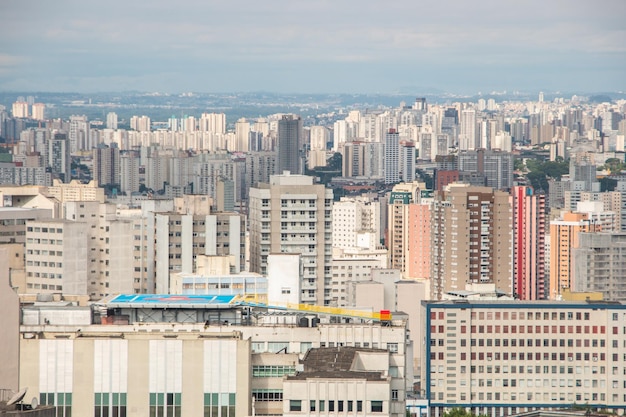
<point>17,399</point>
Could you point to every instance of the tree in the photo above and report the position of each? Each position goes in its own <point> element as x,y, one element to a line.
<point>460,412</point>
<point>607,184</point>
<point>614,165</point>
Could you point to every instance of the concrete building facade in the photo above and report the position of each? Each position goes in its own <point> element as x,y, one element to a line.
<point>471,239</point>
<point>290,214</point>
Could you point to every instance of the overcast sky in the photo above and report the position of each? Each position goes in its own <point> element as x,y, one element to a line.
<point>461,46</point>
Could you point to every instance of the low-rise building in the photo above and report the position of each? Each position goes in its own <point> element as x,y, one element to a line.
<point>504,357</point>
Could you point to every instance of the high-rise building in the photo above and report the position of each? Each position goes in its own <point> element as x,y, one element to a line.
<point>111,120</point>
<point>529,233</point>
<point>129,173</point>
<point>20,109</point>
<point>317,152</point>
<point>564,234</point>
<point>56,257</point>
<point>106,164</point>
<point>213,122</point>
<point>407,161</point>
<point>59,159</point>
<point>140,123</point>
<point>495,166</point>
<point>38,111</point>
<point>259,167</point>
<point>467,134</point>
<point>79,134</point>
<point>290,144</point>
<point>290,214</point>
<point>408,234</point>
<point>392,157</point>
<point>242,136</point>
<point>599,265</point>
<point>362,159</point>
<point>356,222</point>
<point>471,239</point>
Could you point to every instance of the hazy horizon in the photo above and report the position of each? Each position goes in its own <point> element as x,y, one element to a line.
<point>319,47</point>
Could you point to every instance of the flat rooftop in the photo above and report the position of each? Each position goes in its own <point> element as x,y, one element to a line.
<point>167,300</point>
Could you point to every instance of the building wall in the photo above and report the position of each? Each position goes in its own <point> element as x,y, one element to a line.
<point>529,230</point>
<point>133,363</point>
<point>600,265</point>
<point>509,357</point>
<point>9,323</point>
<point>293,215</point>
<point>471,239</point>
<point>563,237</point>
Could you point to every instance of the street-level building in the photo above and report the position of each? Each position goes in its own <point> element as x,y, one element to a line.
<point>504,357</point>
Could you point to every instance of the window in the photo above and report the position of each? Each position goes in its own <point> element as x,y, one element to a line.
<point>312,405</point>
<point>394,395</point>
<point>359,406</point>
<point>393,347</point>
<point>331,405</point>
<point>376,406</point>
<point>295,405</point>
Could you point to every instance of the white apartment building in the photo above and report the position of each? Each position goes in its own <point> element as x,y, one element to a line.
<point>290,214</point>
<point>56,257</point>
<point>356,222</point>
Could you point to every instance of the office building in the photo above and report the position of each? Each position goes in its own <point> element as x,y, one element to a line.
<point>471,239</point>
<point>510,357</point>
<point>210,355</point>
<point>529,253</point>
<point>290,214</point>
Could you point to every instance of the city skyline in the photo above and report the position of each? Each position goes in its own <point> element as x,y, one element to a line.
<point>312,47</point>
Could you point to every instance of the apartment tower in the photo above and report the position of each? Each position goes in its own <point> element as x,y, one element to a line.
<point>471,239</point>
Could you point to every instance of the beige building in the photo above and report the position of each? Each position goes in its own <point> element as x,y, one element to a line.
<point>290,214</point>
<point>76,191</point>
<point>56,257</point>
<point>564,233</point>
<point>340,380</point>
<point>159,357</point>
<point>404,226</point>
<point>471,239</point>
<point>505,357</point>
<point>29,196</point>
<point>13,222</point>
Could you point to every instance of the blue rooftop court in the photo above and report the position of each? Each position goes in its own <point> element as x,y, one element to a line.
<point>170,299</point>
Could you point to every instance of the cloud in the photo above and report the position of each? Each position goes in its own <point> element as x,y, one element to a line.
<point>163,44</point>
